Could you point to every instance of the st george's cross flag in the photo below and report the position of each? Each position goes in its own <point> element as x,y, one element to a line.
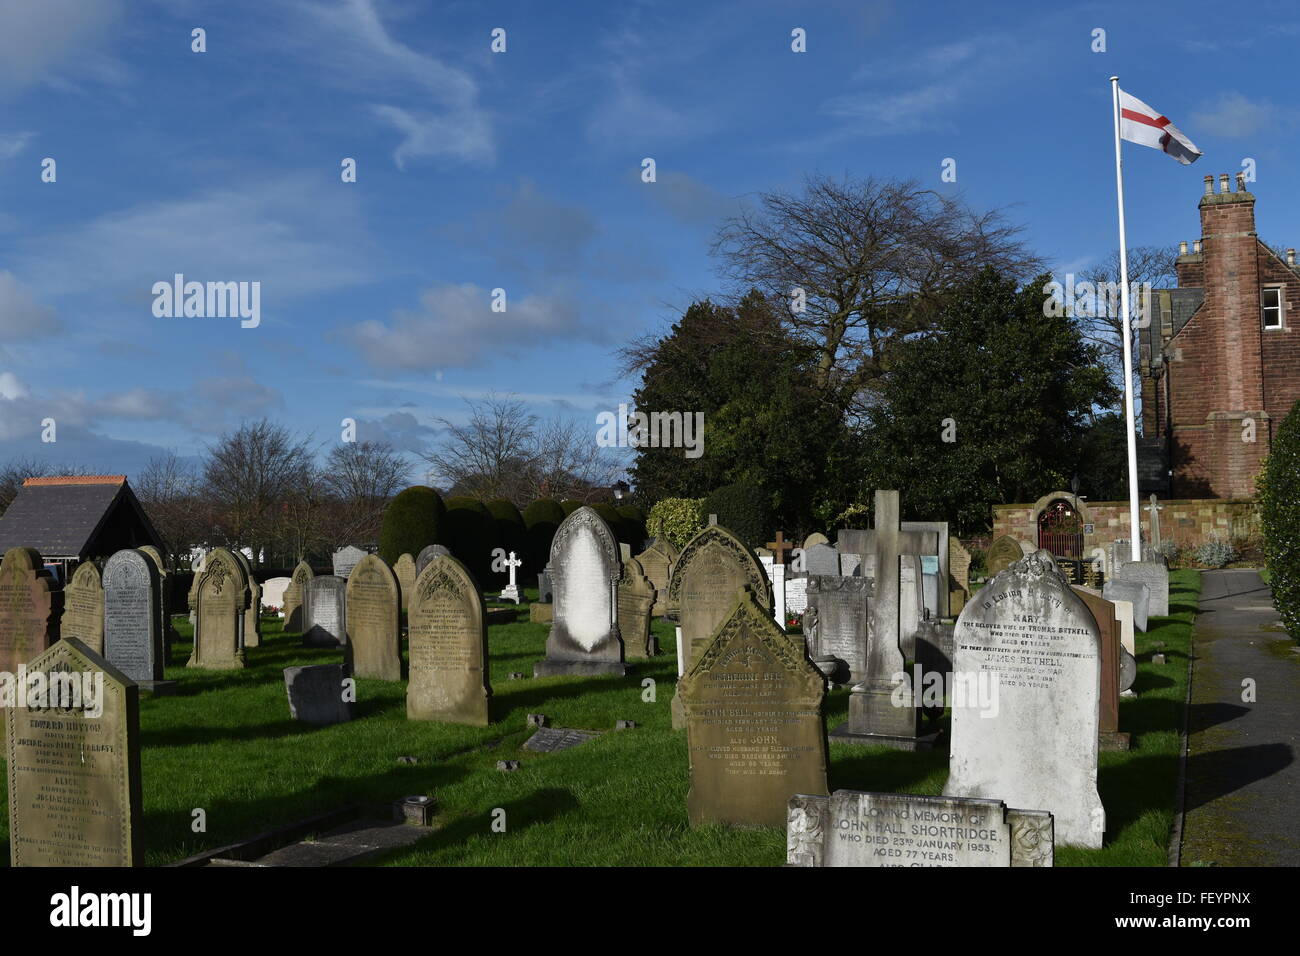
<point>1139,123</point>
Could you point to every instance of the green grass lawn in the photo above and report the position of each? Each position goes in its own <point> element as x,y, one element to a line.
<point>225,744</point>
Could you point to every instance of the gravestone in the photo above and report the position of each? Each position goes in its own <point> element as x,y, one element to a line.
<point>74,772</point>
<point>29,608</point>
<point>345,559</point>
<point>197,566</point>
<point>512,591</point>
<point>169,634</point>
<point>852,828</point>
<point>549,740</point>
<point>711,568</point>
<point>1136,593</point>
<point>821,559</point>
<point>540,613</point>
<point>1003,552</point>
<point>1155,575</point>
<point>841,621</point>
<point>427,554</point>
<point>545,589</point>
<point>253,616</point>
<point>911,602</point>
<point>373,620</point>
<point>585,568</point>
<point>636,596</point>
<point>273,593</point>
<point>657,562</point>
<point>295,598</point>
<point>83,607</point>
<point>1124,618</point>
<point>796,594</point>
<point>1109,736</point>
<point>958,569</point>
<point>405,572</point>
<point>754,730</point>
<point>815,538</point>
<point>1029,639</point>
<point>222,603</point>
<point>927,540</point>
<point>316,694</point>
<point>448,647</point>
<point>324,611</point>
<point>875,714</point>
<point>133,641</point>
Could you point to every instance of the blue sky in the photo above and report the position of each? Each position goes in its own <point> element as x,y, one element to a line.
<point>521,170</point>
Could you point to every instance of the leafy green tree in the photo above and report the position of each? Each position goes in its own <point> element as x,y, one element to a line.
<point>1279,508</point>
<point>990,408</point>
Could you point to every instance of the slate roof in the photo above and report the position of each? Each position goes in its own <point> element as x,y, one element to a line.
<point>60,517</point>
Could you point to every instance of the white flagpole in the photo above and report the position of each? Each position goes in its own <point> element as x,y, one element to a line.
<point>1129,424</point>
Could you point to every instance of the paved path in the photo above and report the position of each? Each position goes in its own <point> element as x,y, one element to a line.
<point>1243,771</point>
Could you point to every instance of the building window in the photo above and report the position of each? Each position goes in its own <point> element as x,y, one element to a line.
<point>1272,306</point>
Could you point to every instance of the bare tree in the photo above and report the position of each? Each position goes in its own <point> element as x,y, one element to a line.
<point>484,456</point>
<point>168,488</point>
<point>1102,319</point>
<point>362,478</point>
<point>859,265</point>
<point>248,475</point>
<point>568,464</point>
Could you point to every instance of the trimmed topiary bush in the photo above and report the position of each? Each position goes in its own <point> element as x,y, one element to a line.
<point>676,519</point>
<point>635,519</point>
<point>1279,510</point>
<point>414,519</point>
<point>541,518</point>
<point>570,506</point>
<point>617,523</point>
<point>471,535</point>
<point>744,510</point>
<point>511,535</point>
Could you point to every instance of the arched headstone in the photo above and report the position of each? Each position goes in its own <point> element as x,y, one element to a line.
<point>448,646</point>
<point>585,568</point>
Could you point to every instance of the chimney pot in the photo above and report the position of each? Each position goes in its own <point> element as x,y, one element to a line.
<point>1290,257</point>
<point>1241,182</point>
<point>1209,185</point>
<point>1223,182</point>
<point>1196,246</point>
<point>1182,248</point>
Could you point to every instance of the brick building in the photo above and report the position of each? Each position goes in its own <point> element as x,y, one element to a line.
<point>1220,361</point>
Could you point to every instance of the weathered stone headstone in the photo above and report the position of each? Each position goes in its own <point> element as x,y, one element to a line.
<point>1136,593</point>
<point>169,634</point>
<point>324,611</point>
<point>197,567</point>
<point>959,576</point>
<point>1002,553</point>
<point>657,561</point>
<point>345,559</point>
<point>549,740</point>
<point>1155,575</point>
<point>74,772</point>
<point>374,621</point>
<point>842,619</point>
<point>821,559</point>
<point>1124,619</point>
<point>754,730</point>
<point>29,608</point>
<point>796,594</point>
<point>712,567</point>
<point>316,694</point>
<point>585,568</point>
<point>545,587</point>
<point>222,603</point>
<point>636,595</point>
<point>540,613</point>
<point>83,607</point>
<point>852,828</point>
<point>1109,736</point>
<point>1027,637</point>
<point>448,647</point>
<point>295,597</point>
<point>133,640</point>
<point>427,554</point>
<point>253,616</point>
<point>405,572</point>
<point>815,538</point>
<point>911,602</point>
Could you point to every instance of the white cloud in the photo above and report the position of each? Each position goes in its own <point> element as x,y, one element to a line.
<point>294,234</point>
<point>456,327</point>
<point>22,318</point>
<point>39,40</point>
<point>12,144</point>
<point>462,135</point>
<point>1233,116</point>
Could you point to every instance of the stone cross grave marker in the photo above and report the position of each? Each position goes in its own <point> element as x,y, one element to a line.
<point>511,592</point>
